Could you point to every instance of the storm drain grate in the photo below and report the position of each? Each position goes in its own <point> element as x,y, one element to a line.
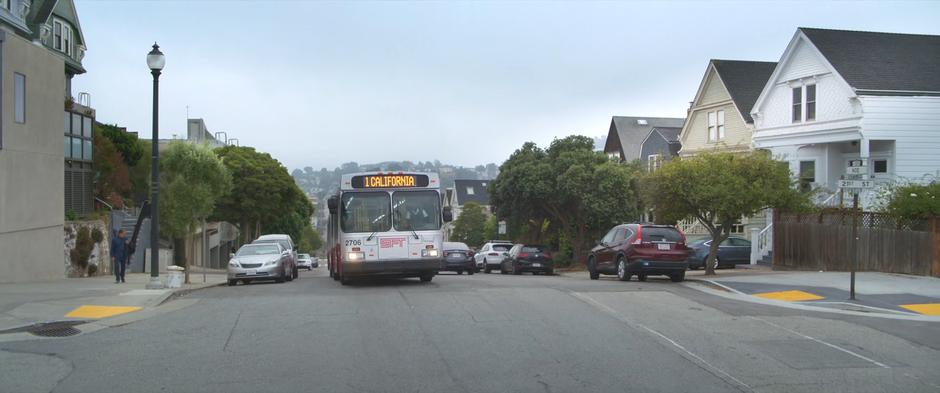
<point>49,329</point>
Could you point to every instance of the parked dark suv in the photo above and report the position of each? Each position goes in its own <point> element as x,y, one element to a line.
<point>642,250</point>
<point>528,258</point>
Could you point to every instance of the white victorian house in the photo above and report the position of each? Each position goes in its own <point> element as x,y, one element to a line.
<point>837,96</point>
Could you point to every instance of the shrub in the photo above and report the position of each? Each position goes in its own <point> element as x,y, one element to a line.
<point>83,247</point>
<point>915,201</point>
<point>92,270</point>
<point>96,235</point>
<point>70,215</point>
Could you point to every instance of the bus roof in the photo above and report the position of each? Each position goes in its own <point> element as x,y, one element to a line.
<point>390,181</point>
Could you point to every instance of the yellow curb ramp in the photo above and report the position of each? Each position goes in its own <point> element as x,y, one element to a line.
<point>789,296</point>
<point>98,312</point>
<point>932,309</point>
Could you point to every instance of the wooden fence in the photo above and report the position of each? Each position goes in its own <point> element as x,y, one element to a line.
<point>824,241</point>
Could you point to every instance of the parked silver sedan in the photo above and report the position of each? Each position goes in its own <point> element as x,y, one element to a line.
<point>267,261</point>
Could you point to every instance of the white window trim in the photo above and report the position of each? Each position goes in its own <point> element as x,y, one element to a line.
<point>804,108</point>
<point>65,41</point>
<point>654,162</point>
<point>718,126</point>
<point>470,190</point>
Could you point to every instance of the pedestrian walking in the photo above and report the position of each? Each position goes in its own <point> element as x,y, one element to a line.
<point>119,255</point>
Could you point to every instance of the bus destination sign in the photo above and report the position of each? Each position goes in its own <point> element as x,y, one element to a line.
<point>390,181</point>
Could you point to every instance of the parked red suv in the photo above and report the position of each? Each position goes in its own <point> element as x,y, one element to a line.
<point>640,249</point>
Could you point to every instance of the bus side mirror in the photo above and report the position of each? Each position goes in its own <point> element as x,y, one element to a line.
<point>448,214</point>
<point>332,204</point>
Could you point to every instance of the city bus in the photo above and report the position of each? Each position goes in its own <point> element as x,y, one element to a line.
<point>386,224</point>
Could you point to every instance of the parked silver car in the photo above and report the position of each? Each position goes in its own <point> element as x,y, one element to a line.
<point>285,242</point>
<point>266,261</point>
<point>305,261</point>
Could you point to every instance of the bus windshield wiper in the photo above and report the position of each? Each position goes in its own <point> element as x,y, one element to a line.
<point>370,236</point>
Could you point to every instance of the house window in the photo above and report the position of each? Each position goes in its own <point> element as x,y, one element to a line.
<point>716,126</point>
<point>6,4</point>
<point>62,36</point>
<point>19,98</point>
<point>654,162</point>
<point>881,166</point>
<point>807,175</point>
<point>469,190</point>
<point>797,104</point>
<point>811,102</point>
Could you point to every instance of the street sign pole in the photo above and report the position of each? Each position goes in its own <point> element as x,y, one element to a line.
<point>855,244</point>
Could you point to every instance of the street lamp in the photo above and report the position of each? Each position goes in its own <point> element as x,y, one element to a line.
<point>155,61</point>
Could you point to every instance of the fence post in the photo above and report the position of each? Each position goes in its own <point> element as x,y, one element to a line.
<point>755,246</point>
<point>933,225</point>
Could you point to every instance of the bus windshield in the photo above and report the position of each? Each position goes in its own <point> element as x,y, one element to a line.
<point>417,210</point>
<point>366,212</point>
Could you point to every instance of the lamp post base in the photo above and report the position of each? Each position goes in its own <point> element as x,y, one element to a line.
<point>155,283</point>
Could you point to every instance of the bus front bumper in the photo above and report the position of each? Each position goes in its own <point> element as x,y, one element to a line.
<point>399,268</point>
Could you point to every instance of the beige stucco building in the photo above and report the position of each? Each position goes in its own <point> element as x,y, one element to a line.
<point>31,167</point>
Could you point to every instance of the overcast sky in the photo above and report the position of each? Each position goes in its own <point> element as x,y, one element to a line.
<point>322,83</point>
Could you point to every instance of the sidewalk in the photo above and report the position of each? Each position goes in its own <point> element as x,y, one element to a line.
<point>883,293</point>
<point>91,298</point>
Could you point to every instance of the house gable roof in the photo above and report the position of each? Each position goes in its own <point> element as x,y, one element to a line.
<point>480,194</point>
<point>631,131</point>
<point>744,81</point>
<point>881,62</point>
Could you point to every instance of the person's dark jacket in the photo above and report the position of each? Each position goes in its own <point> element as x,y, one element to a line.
<point>118,248</point>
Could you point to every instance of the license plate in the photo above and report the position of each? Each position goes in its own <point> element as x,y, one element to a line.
<point>536,265</point>
<point>663,246</point>
<point>456,255</point>
<point>251,272</point>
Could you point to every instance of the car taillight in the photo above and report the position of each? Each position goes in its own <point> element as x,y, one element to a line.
<point>493,254</point>
<point>523,255</point>
<point>547,255</point>
<point>639,235</point>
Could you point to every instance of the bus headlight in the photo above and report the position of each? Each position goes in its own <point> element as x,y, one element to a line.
<point>356,256</point>
<point>429,253</point>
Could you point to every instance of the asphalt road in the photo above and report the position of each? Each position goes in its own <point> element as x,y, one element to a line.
<point>481,333</point>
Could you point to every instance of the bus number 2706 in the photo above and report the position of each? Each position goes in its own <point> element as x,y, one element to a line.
<point>353,242</point>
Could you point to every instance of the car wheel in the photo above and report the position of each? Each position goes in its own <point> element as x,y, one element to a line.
<point>592,269</point>
<point>282,276</point>
<point>246,281</point>
<point>516,271</point>
<point>486,267</point>
<point>344,279</point>
<point>622,273</point>
<point>296,273</point>
<point>470,271</point>
<point>502,269</point>
<point>427,277</point>
<point>232,283</point>
<point>289,275</point>
<point>677,277</point>
<point>460,272</point>
<point>641,277</point>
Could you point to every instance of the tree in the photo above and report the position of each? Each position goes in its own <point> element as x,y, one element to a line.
<point>265,197</point>
<point>469,226</point>
<point>568,187</point>
<point>310,242</point>
<point>113,175</point>
<point>192,180</point>
<point>717,189</point>
<point>140,174</point>
<point>125,142</point>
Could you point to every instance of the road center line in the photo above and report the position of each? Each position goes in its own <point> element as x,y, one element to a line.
<point>833,346</point>
<point>706,365</point>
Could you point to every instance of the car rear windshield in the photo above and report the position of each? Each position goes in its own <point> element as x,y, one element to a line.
<point>533,249</point>
<point>502,247</point>
<point>661,234</point>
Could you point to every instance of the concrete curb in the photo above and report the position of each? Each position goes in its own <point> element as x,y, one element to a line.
<point>705,285</point>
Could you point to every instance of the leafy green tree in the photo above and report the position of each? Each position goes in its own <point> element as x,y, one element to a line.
<point>914,201</point>
<point>469,227</point>
<point>717,189</point>
<point>125,142</point>
<point>266,196</point>
<point>192,180</point>
<point>310,242</point>
<point>140,173</point>
<point>569,187</point>
<point>112,172</point>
